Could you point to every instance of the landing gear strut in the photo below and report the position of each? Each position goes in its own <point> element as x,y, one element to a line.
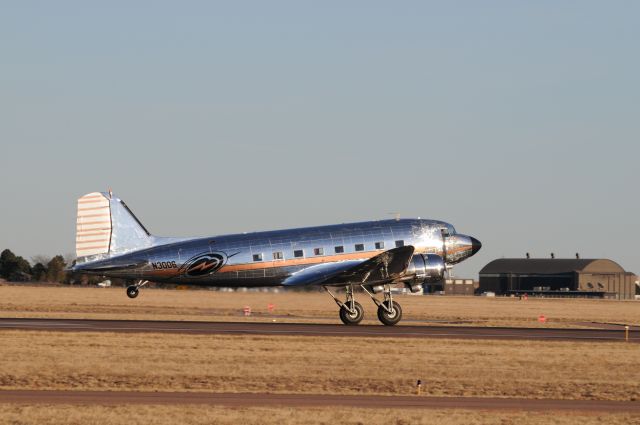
<point>132,290</point>
<point>351,311</point>
<point>389,311</point>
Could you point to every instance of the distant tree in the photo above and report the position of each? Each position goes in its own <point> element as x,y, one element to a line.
<point>39,272</point>
<point>7,262</point>
<point>55,269</point>
<point>13,267</point>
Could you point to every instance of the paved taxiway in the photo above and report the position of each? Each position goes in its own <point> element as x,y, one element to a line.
<point>254,328</point>
<point>312,400</point>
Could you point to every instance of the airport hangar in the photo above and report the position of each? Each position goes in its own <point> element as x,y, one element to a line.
<point>600,278</point>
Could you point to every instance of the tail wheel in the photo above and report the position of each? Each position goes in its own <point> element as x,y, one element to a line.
<point>351,317</point>
<point>132,291</point>
<point>387,318</point>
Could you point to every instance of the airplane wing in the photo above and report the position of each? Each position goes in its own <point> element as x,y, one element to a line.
<point>355,271</point>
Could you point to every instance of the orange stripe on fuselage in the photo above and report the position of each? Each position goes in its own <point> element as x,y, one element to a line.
<point>298,261</point>
<point>456,250</point>
<point>311,260</point>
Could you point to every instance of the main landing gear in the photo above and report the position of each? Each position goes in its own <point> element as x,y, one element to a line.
<point>389,311</point>
<point>352,313</point>
<point>132,290</point>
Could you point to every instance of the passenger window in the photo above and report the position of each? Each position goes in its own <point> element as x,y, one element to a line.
<point>298,253</point>
<point>318,251</point>
<point>379,245</point>
<point>339,249</point>
<point>399,243</point>
<point>257,257</point>
<point>359,247</point>
<point>278,255</point>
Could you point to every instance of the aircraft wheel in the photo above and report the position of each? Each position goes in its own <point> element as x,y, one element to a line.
<point>132,291</point>
<point>352,318</point>
<point>390,319</point>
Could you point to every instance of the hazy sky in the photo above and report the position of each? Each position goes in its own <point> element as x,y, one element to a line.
<point>517,122</point>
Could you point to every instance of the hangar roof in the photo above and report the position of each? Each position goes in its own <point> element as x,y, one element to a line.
<point>550,266</point>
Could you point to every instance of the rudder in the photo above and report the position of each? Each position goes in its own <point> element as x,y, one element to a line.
<point>93,225</point>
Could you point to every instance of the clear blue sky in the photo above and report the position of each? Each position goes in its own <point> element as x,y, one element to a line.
<point>516,121</point>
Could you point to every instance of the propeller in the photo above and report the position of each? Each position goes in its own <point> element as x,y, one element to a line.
<point>445,234</point>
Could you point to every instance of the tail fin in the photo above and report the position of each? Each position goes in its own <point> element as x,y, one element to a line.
<point>107,227</point>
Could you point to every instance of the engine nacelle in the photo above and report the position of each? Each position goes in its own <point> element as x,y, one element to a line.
<point>425,268</point>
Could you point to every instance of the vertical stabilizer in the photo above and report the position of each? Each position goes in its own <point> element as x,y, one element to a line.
<point>128,233</point>
<point>107,227</point>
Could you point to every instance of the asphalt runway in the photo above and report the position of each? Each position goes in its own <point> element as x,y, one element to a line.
<point>300,329</point>
<point>312,400</point>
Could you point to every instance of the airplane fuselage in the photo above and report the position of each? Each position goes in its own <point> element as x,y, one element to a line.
<point>272,258</point>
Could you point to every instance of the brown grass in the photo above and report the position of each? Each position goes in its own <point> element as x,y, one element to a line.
<point>195,415</point>
<point>153,304</point>
<point>530,369</point>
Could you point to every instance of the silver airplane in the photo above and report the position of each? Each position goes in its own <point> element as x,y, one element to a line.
<point>372,255</point>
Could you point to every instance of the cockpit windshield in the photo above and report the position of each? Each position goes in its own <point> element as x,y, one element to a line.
<point>448,229</point>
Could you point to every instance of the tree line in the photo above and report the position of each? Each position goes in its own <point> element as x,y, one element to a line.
<point>17,269</point>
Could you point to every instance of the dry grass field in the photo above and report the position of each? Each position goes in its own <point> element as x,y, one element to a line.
<point>300,364</point>
<point>154,304</point>
<point>200,415</point>
<point>319,365</point>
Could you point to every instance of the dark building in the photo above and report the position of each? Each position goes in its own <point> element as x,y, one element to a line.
<point>572,277</point>
<point>459,287</point>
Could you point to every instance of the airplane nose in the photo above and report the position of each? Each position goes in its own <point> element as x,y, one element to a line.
<point>475,245</point>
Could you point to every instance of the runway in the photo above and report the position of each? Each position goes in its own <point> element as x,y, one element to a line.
<point>299,329</point>
<point>312,400</point>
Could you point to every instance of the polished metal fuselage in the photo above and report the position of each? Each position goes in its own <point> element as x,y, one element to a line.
<point>269,258</point>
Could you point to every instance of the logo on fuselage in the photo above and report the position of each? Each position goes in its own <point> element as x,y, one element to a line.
<point>204,264</point>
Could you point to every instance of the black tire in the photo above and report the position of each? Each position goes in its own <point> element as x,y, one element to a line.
<point>390,319</point>
<point>132,291</point>
<point>354,318</point>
